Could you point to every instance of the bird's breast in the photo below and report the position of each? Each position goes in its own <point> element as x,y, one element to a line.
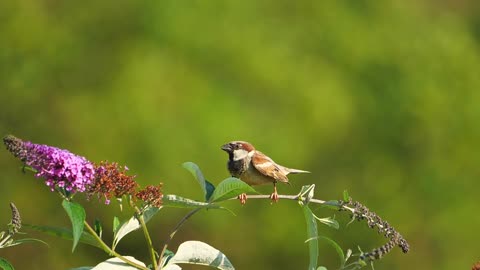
<point>247,173</point>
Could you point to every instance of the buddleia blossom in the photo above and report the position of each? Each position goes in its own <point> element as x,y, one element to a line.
<point>66,171</point>
<point>59,167</point>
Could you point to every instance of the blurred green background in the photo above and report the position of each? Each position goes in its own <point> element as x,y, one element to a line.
<point>377,97</point>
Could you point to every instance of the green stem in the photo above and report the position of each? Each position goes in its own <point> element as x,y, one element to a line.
<point>172,234</point>
<point>147,237</point>
<point>109,251</point>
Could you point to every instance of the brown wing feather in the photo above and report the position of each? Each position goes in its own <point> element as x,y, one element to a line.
<point>268,167</point>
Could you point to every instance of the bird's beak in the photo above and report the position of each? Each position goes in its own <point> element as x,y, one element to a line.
<point>227,147</point>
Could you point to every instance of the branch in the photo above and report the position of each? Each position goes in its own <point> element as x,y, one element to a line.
<point>339,204</point>
<point>358,212</point>
<point>172,234</point>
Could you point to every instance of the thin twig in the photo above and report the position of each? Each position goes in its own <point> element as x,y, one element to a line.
<point>296,198</point>
<point>172,234</point>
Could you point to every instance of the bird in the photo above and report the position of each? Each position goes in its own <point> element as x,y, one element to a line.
<point>255,168</point>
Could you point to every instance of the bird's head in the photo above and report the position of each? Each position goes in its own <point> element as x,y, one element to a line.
<point>238,149</point>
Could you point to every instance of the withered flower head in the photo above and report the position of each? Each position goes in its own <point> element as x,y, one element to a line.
<point>151,195</point>
<point>111,181</point>
<point>361,212</point>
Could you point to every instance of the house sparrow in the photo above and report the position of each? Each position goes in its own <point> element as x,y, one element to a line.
<point>255,168</point>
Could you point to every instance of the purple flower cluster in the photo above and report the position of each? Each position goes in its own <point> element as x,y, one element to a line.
<point>59,167</point>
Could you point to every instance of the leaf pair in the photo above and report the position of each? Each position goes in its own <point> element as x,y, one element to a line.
<point>190,252</point>
<point>131,225</point>
<point>227,189</point>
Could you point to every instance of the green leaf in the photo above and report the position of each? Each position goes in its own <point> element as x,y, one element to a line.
<point>167,256</point>
<point>199,253</point>
<point>116,225</point>
<point>306,193</point>
<point>312,234</point>
<point>117,264</point>
<point>332,204</point>
<point>64,233</point>
<point>26,241</point>
<point>210,189</point>
<point>337,247</point>
<point>5,265</point>
<point>150,212</point>
<point>321,268</point>
<point>77,215</point>
<point>347,256</point>
<point>328,221</point>
<point>82,268</point>
<point>172,267</point>
<point>206,186</point>
<point>230,188</point>
<point>171,200</point>
<point>97,226</point>
<point>133,224</point>
<point>346,197</point>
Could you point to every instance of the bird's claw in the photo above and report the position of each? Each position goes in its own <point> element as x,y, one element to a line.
<point>243,198</point>
<point>274,197</point>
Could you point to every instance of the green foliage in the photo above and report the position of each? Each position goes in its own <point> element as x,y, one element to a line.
<point>77,215</point>
<point>338,249</point>
<point>206,186</point>
<point>132,225</point>
<point>328,221</point>
<point>230,188</point>
<point>199,253</point>
<point>346,196</point>
<point>64,233</point>
<point>116,225</point>
<point>5,265</point>
<point>170,200</point>
<point>312,234</point>
<point>97,226</point>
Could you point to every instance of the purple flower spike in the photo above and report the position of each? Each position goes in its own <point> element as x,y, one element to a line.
<point>59,167</point>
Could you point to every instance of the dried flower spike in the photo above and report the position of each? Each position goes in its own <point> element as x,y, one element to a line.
<point>59,167</point>
<point>151,195</point>
<point>16,222</point>
<point>361,212</point>
<point>111,181</point>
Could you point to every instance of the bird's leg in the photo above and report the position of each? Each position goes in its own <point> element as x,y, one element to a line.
<point>243,198</point>
<point>274,195</point>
